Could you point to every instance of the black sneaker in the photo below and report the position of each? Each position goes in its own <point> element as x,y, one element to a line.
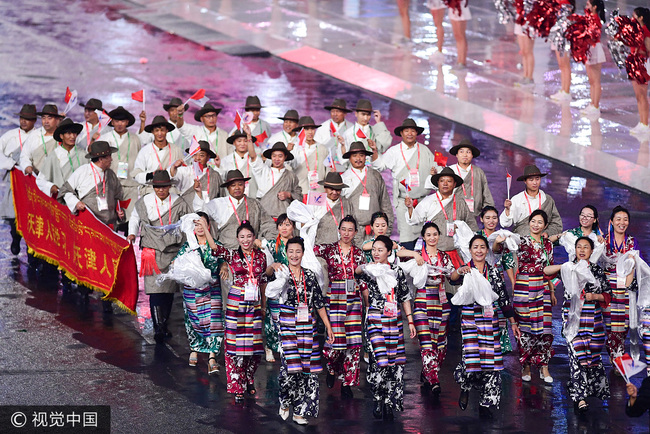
<point>388,413</point>
<point>346,392</point>
<point>484,412</point>
<point>330,380</point>
<point>463,399</point>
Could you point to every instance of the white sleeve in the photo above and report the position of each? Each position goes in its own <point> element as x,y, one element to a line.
<point>139,167</point>
<point>504,220</point>
<point>6,163</point>
<point>26,153</point>
<point>420,213</point>
<point>134,222</point>
<point>260,170</point>
<point>43,184</point>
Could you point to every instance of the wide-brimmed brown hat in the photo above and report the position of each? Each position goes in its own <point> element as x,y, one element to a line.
<point>237,134</point>
<point>65,126</point>
<point>160,178</point>
<point>28,111</point>
<point>252,102</point>
<point>159,121</point>
<point>232,176</point>
<point>465,143</point>
<point>357,147</point>
<point>290,115</point>
<point>93,104</point>
<point>363,105</point>
<point>121,114</point>
<point>207,108</point>
<point>408,123</point>
<point>334,181</point>
<point>205,147</point>
<point>306,122</point>
<point>531,170</point>
<point>175,102</point>
<point>340,104</point>
<point>447,171</point>
<point>50,110</point>
<point>278,146</point>
<point>99,148</point>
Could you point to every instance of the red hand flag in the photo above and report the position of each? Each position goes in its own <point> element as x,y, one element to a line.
<point>238,120</point>
<point>361,134</point>
<point>138,96</point>
<point>301,137</point>
<point>440,159</point>
<point>405,184</point>
<point>68,95</point>
<point>332,128</point>
<point>261,138</point>
<point>123,204</point>
<point>508,182</point>
<point>194,147</point>
<point>199,98</point>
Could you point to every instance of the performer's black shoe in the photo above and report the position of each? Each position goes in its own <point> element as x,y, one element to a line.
<point>435,391</point>
<point>463,400</point>
<point>484,412</point>
<point>346,392</point>
<point>330,380</point>
<point>15,246</point>
<point>388,413</point>
<point>377,410</point>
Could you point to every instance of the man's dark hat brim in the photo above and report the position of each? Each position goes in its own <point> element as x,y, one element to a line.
<point>204,148</point>
<point>65,127</point>
<point>121,114</point>
<point>356,149</point>
<point>276,147</point>
<point>170,127</point>
<point>465,144</point>
<point>446,172</point>
<point>205,110</point>
<point>107,150</point>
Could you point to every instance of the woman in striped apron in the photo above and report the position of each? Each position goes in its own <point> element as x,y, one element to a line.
<point>534,296</point>
<point>246,302</point>
<point>203,306</point>
<point>506,263</point>
<point>584,328</point>
<point>482,359</point>
<point>431,310</point>
<point>617,318</point>
<point>300,353</point>
<point>344,307</point>
<point>386,330</point>
<point>278,249</point>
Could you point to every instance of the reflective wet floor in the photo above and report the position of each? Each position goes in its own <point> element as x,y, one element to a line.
<point>55,350</point>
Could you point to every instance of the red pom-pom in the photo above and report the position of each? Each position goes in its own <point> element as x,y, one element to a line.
<point>543,16</point>
<point>636,69</point>
<point>583,33</point>
<point>629,31</point>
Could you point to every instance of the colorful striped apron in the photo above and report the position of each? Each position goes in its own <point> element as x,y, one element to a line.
<point>243,325</point>
<point>590,341</point>
<point>299,343</point>
<point>532,303</point>
<point>616,315</point>
<point>430,317</point>
<point>481,341</point>
<point>386,337</point>
<point>344,312</point>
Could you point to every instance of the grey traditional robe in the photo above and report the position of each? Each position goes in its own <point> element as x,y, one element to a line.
<point>166,244</point>
<point>40,154</point>
<point>482,194</point>
<point>300,167</point>
<point>379,201</point>
<point>262,224</point>
<point>328,230</point>
<point>446,243</point>
<point>270,202</point>
<point>127,154</point>
<point>554,220</point>
<point>113,194</point>
<point>57,175</point>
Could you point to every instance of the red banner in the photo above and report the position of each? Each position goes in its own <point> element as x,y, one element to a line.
<point>86,249</point>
